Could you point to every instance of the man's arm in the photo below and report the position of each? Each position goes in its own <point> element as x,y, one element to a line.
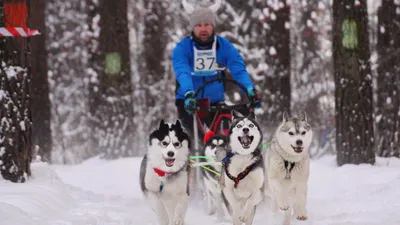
<point>180,64</point>
<point>236,66</point>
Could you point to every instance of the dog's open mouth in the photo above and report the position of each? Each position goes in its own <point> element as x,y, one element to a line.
<point>169,162</point>
<point>246,140</point>
<point>298,149</point>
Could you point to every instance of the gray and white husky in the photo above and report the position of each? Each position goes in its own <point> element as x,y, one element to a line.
<point>164,173</point>
<point>215,151</point>
<point>243,174</point>
<point>287,166</point>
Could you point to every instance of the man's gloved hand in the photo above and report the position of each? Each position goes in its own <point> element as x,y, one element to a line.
<point>190,102</point>
<point>255,98</point>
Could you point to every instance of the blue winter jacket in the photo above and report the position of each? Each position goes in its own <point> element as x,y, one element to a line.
<point>227,56</point>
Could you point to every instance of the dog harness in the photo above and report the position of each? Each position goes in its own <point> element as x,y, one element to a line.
<point>289,167</point>
<point>242,174</point>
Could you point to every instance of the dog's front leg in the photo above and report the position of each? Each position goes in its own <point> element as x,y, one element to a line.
<point>234,204</point>
<point>248,209</point>
<point>158,208</point>
<point>300,205</point>
<point>280,194</point>
<point>180,209</point>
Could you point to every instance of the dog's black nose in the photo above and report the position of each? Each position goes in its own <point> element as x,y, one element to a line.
<point>170,154</point>
<point>299,142</point>
<point>245,130</point>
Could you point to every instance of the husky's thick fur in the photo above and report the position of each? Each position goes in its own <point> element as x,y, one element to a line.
<point>287,166</point>
<point>164,173</point>
<point>243,174</point>
<point>214,148</point>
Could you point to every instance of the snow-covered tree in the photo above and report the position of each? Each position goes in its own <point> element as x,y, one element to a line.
<point>67,60</point>
<point>353,80</point>
<point>312,76</point>
<point>15,112</point>
<point>260,31</point>
<point>388,79</point>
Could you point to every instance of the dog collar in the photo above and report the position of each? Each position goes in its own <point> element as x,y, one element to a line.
<point>160,173</point>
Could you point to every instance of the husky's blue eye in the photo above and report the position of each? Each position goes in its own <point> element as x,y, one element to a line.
<point>291,133</point>
<point>251,125</point>
<point>303,133</point>
<point>239,126</point>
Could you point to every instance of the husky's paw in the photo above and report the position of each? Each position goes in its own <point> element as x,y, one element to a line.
<point>211,210</point>
<point>301,218</point>
<point>283,205</point>
<point>242,219</point>
<point>178,222</point>
<point>237,221</point>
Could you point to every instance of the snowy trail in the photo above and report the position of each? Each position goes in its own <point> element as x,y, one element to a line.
<point>99,192</point>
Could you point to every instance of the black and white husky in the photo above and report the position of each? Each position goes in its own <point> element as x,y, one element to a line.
<point>243,178</point>
<point>164,173</point>
<point>287,166</point>
<point>215,151</point>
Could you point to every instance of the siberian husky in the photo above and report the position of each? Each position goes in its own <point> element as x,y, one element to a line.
<point>287,166</point>
<point>164,173</point>
<point>215,151</point>
<point>243,176</point>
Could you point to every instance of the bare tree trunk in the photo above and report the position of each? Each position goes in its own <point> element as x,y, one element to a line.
<point>278,42</point>
<point>353,79</point>
<point>388,102</point>
<point>40,100</point>
<point>111,103</point>
<point>15,113</point>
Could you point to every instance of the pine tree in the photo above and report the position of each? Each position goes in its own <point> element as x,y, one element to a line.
<point>15,112</point>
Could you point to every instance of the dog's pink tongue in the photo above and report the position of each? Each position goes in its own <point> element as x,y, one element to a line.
<point>245,140</point>
<point>169,162</point>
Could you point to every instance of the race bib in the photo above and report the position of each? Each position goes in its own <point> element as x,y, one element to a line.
<point>205,61</point>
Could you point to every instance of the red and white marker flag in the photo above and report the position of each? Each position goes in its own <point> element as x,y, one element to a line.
<point>17,32</point>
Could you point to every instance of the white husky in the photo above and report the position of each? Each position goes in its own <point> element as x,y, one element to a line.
<point>164,175</point>
<point>287,166</point>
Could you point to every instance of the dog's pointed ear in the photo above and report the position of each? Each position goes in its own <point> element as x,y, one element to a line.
<point>162,124</point>
<point>236,114</point>
<point>252,115</point>
<point>285,116</point>
<point>178,124</point>
<point>303,116</point>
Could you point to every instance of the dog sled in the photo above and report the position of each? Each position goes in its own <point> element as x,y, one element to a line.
<point>220,116</point>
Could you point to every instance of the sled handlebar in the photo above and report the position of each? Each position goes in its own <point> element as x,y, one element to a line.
<point>223,107</point>
<point>220,79</point>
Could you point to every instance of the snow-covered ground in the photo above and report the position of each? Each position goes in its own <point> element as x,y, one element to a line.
<point>107,192</point>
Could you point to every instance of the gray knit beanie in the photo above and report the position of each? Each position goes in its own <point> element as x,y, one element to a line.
<point>202,15</point>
